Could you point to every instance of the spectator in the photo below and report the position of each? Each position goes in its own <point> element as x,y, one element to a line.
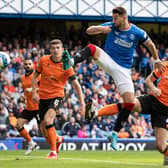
<point>34,132</point>
<point>149,130</point>
<point>71,128</point>
<point>4,123</point>
<point>108,125</point>
<point>82,133</point>
<point>97,133</point>
<point>79,119</point>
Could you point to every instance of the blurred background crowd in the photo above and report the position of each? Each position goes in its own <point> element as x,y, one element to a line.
<point>96,84</point>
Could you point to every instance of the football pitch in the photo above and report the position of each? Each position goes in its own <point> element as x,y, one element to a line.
<point>82,159</point>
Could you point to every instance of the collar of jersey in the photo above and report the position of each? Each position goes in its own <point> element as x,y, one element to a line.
<point>54,61</point>
<point>127,28</point>
<point>29,73</point>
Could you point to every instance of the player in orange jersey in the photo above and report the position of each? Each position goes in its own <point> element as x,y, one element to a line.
<point>51,90</point>
<point>155,104</point>
<point>31,109</point>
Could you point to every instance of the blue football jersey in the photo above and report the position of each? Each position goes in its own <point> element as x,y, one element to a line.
<point>120,45</point>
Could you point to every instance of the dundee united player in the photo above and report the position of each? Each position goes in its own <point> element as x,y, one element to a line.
<point>31,109</point>
<point>155,104</point>
<point>51,90</point>
<point>121,41</point>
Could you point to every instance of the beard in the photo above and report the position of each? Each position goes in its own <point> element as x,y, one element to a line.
<point>119,25</point>
<point>28,71</point>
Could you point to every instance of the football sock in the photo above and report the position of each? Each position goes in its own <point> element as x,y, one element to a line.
<point>51,137</point>
<point>23,132</point>
<point>57,138</point>
<point>123,116</point>
<point>83,54</point>
<point>109,110</point>
<point>44,132</point>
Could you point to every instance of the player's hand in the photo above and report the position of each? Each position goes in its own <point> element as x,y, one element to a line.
<point>156,92</point>
<point>82,109</point>
<point>106,29</point>
<point>35,97</point>
<point>160,66</point>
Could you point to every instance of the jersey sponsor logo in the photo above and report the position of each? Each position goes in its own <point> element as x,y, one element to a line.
<point>132,36</point>
<point>166,77</point>
<point>51,77</point>
<point>123,43</point>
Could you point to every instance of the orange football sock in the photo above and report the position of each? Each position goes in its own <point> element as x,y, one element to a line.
<point>51,138</point>
<point>46,137</point>
<point>25,135</point>
<point>108,110</point>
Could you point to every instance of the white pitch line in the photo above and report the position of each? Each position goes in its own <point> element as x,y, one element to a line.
<point>79,159</point>
<point>111,161</point>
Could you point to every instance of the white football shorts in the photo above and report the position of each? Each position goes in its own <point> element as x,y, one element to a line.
<point>120,75</point>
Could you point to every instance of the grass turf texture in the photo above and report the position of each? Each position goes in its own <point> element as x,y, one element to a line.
<point>82,159</point>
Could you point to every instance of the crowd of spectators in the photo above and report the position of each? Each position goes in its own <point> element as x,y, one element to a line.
<point>96,84</point>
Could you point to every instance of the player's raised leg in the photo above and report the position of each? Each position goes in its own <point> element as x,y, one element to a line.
<point>89,51</point>
<point>91,112</point>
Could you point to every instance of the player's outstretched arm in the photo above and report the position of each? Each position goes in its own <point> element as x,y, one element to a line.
<point>157,62</point>
<point>35,95</point>
<point>98,30</point>
<point>79,92</point>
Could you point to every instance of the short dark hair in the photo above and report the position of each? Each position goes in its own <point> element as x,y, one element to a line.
<point>27,59</point>
<point>56,41</point>
<point>120,10</point>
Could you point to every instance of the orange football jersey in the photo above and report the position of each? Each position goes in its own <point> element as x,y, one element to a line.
<point>53,78</point>
<point>163,85</point>
<point>27,83</point>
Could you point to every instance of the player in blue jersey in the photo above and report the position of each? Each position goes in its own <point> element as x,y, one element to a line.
<point>122,39</point>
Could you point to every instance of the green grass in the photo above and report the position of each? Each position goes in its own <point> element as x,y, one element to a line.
<point>81,159</point>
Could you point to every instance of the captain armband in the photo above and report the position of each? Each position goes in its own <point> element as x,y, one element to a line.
<point>154,75</point>
<point>71,78</point>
